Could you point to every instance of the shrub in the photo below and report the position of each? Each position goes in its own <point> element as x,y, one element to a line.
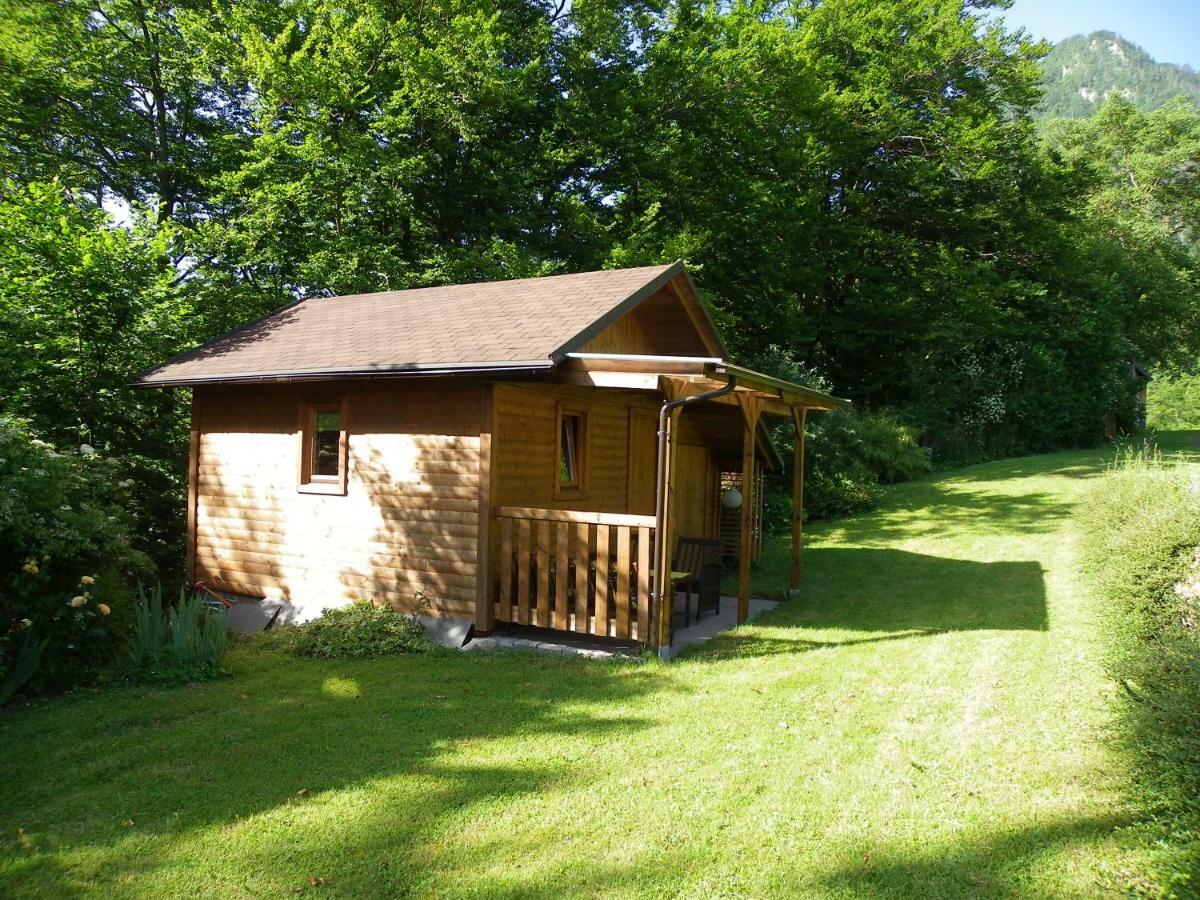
<point>1141,526</point>
<point>356,631</point>
<point>890,449</point>
<point>175,644</point>
<point>66,562</point>
<point>850,455</point>
<point>1173,402</point>
<point>1141,534</point>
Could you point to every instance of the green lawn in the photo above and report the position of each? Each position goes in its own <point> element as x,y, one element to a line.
<point>929,720</point>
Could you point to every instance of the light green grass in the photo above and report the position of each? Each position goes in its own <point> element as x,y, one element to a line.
<point>928,720</point>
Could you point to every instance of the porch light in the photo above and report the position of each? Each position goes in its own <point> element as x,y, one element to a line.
<point>732,499</point>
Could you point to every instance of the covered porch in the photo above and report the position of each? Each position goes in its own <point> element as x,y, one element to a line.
<point>596,573</point>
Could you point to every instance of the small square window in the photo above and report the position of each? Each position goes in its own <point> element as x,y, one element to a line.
<point>323,449</point>
<point>570,474</point>
<point>326,444</point>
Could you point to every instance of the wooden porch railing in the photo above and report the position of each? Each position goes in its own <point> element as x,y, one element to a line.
<point>575,571</point>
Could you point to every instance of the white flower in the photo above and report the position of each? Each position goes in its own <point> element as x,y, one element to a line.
<point>76,602</point>
<point>87,449</point>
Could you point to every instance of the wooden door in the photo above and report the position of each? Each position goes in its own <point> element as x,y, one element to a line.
<point>643,460</point>
<point>695,489</point>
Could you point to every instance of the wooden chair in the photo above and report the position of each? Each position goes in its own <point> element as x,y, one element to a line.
<point>708,595</point>
<point>695,556</point>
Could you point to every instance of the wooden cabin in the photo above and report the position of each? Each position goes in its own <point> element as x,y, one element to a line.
<point>483,451</point>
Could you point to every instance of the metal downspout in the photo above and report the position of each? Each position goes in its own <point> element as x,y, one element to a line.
<point>661,551</point>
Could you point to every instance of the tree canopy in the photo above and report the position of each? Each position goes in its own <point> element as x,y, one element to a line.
<point>859,186</point>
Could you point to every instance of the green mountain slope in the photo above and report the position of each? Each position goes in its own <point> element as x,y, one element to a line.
<point>1082,70</point>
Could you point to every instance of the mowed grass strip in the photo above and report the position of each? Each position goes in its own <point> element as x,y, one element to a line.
<point>928,720</point>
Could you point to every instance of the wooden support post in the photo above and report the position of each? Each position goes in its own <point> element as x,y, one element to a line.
<point>485,610</point>
<point>800,416</point>
<point>751,407</point>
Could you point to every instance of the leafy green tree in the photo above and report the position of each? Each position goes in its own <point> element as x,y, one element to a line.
<point>110,97</point>
<point>394,145</point>
<point>84,306</point>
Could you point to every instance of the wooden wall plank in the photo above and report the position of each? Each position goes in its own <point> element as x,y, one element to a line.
<point>621,597</point>
<point>506,570</point>
<point>583,542</point>
<point>600,625</point>
<point>523,548</point>
<point>643,583</point>
<point>562,531</point>
<point>542,530</point>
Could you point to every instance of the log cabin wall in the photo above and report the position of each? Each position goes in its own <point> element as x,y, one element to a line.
<point>525,447</point>
<point>407,523</point>
<point>622,443</point>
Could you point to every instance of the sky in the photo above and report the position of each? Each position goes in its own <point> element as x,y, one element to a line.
<point>1169,30</point>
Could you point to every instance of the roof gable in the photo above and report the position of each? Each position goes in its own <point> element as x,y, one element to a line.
<point>525,323</point>
<point>670,322</point>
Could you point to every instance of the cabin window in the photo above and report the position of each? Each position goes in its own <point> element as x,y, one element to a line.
<point>323,449</point>
<point>327,441</point>
<point>572,452</point>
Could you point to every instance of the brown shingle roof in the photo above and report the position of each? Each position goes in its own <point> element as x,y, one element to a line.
<point>522,323</point>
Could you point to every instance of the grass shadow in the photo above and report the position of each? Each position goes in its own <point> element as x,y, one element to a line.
<point>970,869</point>
<point>281,734</point>
<point>873,594</point>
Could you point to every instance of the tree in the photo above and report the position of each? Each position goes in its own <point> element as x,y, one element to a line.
<point>394,145</point>
<point>1142,206</point>
<point>84,306</point>
<point>110,98</point>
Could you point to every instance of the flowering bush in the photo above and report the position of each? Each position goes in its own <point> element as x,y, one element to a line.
<point>66,561</point>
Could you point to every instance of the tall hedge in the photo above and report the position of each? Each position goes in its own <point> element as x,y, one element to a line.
<point>1141,551</point>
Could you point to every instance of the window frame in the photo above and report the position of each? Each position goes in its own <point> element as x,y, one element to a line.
<point>309,482</point>
<point>576,490</point>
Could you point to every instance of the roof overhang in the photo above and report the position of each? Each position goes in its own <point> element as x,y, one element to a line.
<point>489,369</point>
<point>693,375</point>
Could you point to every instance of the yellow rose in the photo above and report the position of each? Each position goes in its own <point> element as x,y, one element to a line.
<point>103,607</point>
<point>76,602</point>
<point>87,579</point>
<point>30,567</point>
